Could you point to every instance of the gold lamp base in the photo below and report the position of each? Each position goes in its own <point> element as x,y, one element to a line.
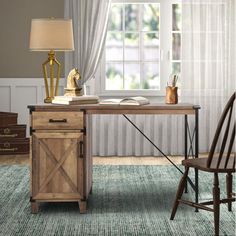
<point>52,90</point>
<point>48,100</point>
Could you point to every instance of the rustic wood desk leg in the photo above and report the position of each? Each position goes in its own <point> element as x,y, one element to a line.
<point>34,207</point>
<point>82,206</point>
<point>196,156</point>
<point>186,145</point>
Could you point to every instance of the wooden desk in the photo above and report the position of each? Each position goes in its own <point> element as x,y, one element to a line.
<point>62,148</point>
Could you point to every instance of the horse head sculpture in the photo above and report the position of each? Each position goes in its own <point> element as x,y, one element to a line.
<point>72,79</point>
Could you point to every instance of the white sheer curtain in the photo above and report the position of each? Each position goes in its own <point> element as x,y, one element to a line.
<point>208,75</point>
<point>113,135</point>
<point>208,60</point>
<point>90,19</point>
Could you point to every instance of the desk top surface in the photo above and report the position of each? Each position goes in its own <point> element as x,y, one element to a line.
<point>153,108</point>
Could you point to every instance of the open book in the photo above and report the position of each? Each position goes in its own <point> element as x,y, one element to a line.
<point>126,101</point>
<point>76,100</point>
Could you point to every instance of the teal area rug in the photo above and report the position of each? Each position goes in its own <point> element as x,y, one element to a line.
<point>126,200</point>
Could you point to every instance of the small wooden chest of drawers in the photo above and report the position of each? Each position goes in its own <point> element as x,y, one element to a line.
<point>13,139</point>
<point>8,118</point>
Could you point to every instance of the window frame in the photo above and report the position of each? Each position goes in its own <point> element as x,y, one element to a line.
<point>165,54</point>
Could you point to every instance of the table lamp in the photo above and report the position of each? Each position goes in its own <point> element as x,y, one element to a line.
<point>51,35</point>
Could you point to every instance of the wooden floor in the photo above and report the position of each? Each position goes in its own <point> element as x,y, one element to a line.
<point>135,160</point>
<point>24,159</point>
<point>14,159</point>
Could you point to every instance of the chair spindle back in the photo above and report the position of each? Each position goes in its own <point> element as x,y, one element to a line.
<point>225,119</point>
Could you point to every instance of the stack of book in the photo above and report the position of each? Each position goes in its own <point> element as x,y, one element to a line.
<point>76,100</point>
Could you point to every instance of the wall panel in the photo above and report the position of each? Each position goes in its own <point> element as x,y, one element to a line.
<point>5,98</point>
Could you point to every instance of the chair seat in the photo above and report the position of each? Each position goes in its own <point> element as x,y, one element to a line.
<point>201,164</point>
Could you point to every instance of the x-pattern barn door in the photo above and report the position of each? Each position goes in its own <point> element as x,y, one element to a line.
<point>58,170</point>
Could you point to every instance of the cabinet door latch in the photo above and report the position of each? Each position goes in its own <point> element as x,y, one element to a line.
<point>81,149</point>
<point>83,130</point>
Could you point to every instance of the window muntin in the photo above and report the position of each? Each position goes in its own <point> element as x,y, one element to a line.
<point>133,47</point>
<point>161,57</point>
<point>176,39</point>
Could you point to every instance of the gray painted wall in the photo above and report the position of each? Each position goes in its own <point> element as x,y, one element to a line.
<point>16,61</point>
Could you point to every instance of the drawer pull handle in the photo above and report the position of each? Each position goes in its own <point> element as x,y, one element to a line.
<point>8,149</point>
<point>8,135</point>
<point>57,120</point>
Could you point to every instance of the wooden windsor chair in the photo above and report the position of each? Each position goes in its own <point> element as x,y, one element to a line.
<point>221,162</point>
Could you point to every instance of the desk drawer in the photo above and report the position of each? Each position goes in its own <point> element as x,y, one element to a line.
<point>57,120</point>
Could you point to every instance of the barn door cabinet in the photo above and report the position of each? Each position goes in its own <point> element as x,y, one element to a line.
<point>61,169</point>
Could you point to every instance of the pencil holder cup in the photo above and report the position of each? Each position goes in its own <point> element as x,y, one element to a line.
<point>171,95</point>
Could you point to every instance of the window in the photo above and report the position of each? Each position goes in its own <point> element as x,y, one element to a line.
<point>176,38</point>
<point>142,47</point>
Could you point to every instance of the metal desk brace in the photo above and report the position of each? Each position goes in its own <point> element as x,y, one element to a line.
<point>187,152</point>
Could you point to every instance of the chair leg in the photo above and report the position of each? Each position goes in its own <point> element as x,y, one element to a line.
<point>179,193</point>
<point>229,184</point>
<point>216,203</point>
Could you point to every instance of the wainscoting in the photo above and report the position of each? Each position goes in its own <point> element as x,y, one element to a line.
<point>17,93</point>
